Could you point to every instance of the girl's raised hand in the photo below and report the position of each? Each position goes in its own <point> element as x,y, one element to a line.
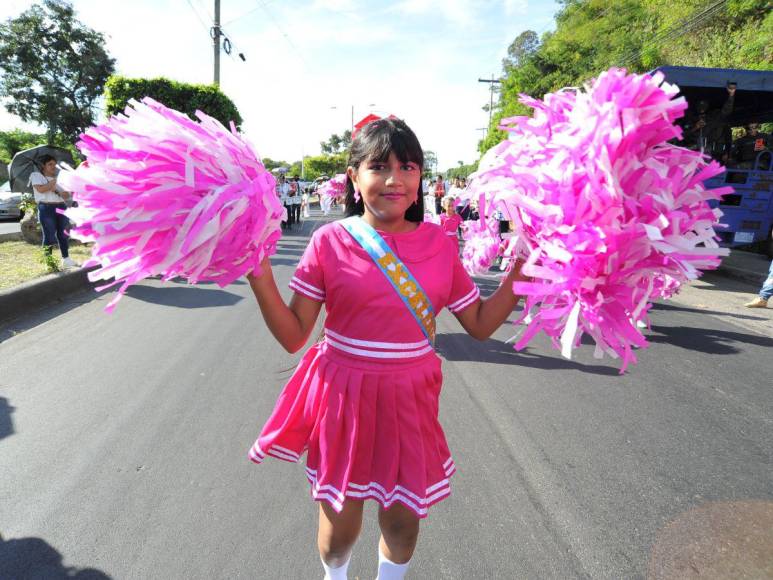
<point>265,270</point>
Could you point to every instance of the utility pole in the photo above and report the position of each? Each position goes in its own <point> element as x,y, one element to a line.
<point>216,41</point>
<point>493,81</point>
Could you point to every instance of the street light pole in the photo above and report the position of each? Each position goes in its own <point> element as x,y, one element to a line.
<point>216,41</point>
<point>493,82</point>
<point>371,105</point>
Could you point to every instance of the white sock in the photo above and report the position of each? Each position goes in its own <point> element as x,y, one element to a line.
<point>336,573</point>
<point>388,570</point>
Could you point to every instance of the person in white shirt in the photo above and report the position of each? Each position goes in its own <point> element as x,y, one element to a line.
<point>50,198</point>
<point>283,191</point>
<point>456,188</point>
<point>295,199</point>
<point>305,205</point>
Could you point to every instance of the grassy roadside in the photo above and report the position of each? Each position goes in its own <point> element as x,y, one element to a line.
<point>20,262</point>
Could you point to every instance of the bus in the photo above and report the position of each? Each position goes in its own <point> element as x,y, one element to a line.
<point>748,212</point>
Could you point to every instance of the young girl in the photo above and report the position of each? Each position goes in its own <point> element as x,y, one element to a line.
<point>450,221</point>
<point>363,402</point>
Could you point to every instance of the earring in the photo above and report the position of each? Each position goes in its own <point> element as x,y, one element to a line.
<point>356,193</point>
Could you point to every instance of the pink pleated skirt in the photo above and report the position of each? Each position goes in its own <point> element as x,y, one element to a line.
<point>370,429</point>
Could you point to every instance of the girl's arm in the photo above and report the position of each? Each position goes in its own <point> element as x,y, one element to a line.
<point>290,325</point>
<point>482,318</point>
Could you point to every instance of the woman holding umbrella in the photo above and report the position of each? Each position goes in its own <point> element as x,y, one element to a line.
<point>51,198</point>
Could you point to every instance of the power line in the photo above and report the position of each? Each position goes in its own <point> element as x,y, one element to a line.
<point>196,12</point>
<point>282,32</point>
<point>676,31</point>
<point>204,9</point>
<point>255,9</point>
<point>250,11</point>
<point>492,83</point>
<point>230,46</point>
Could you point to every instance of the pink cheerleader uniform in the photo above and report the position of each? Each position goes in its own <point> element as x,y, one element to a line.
<point>450,223</point>
<point>363,402</point>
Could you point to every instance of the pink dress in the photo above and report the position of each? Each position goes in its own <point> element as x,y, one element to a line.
<point>450,223</point>
<point>363,402</point>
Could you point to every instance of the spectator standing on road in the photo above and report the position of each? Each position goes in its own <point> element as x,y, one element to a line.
<point>51,198</point>
<point>305,204</point>
<point>440,192</point>
<point>363,402</point>
<point>296,199</point>
<point>765,292</point>
<point>283,191</point>
<point>456,188</point>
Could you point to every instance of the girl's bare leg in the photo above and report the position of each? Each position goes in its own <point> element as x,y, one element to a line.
<point>338,531</point>
<point>399,532</point>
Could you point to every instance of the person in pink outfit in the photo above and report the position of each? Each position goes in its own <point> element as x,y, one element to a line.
<point>450,220</point>
<point>363,402</point>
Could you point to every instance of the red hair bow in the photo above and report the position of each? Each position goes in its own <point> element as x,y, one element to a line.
<point>369,119</point>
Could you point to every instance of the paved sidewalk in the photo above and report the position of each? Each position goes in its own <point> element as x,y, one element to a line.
<point>745,266</point>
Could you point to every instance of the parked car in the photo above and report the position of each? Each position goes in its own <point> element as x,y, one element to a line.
<point>10,202</point>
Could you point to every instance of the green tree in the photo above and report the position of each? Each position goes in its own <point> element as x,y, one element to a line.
<point>337,143</point>
<point>430,163</point>
<point>11,142</point>
<point>462,170</point>
<point>53,68</point>
<point>329,165</point>
<point>295,169</point>
<point>523,47</point>
<point>270,164</point>
<point>184,97</point>
<point>593,35</point>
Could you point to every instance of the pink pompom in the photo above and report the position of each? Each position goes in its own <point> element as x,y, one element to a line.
<point>164,195</point>
<point>608,216</point>
<point>334,187</point>
<point>481,241</point>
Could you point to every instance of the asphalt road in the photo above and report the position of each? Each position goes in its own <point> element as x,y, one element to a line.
<point>123,442</point>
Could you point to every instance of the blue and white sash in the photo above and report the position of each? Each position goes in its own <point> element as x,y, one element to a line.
<point>406,286</point>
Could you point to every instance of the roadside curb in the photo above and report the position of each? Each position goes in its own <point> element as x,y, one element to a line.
<point>43,291</point>
<point>740,274</point>
<point>11,237</point>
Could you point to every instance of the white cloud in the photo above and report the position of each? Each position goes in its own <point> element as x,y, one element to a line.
<point>419,60</point>
<point>459,12</point>
<point>516,7</point>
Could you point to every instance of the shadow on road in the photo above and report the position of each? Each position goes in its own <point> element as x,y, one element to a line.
<point>36,558</point>
<point>183,297</point>
<point>6,421</point>
<point>708,340</point>
<point>289,252</point>
<point>672,307</point>
<point>207,283</point>
<point>458,346</point>
<point>30,319</point>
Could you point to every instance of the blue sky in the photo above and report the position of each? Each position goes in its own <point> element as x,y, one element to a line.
<point>417,59</point>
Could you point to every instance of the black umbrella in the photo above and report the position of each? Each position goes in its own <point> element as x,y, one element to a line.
<point>27,161</point>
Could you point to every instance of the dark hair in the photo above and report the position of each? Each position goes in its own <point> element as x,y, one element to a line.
<point>375,141</point>
<point>45,158</point>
